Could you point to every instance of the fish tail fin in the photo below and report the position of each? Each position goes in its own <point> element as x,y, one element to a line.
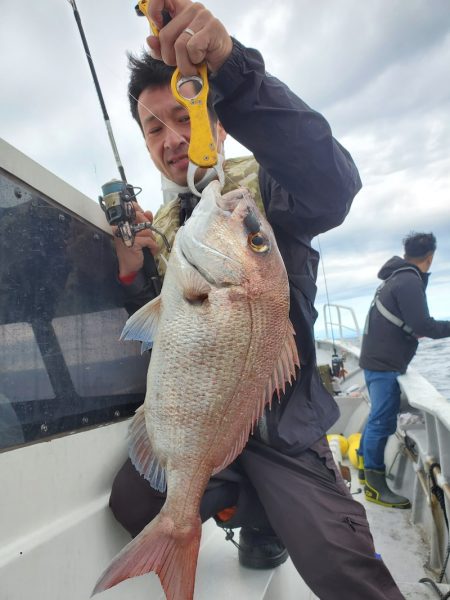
<point>172,554</point>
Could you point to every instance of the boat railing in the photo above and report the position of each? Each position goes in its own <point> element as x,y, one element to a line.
<point>341,323</point>
<point>422,395</point>
<point>430,454</point>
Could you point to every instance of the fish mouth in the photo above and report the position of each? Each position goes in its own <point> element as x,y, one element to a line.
<point>199,249</point>
<point>203,238</point>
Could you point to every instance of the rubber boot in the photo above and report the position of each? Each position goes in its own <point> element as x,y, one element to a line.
<point>361,475</point>
<point>260,550</point>
<point>376,490</point>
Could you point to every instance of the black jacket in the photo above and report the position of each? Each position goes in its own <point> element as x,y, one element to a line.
<point>385,346</point>
<point>307,181</point>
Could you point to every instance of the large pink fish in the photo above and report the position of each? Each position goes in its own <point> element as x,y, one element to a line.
<point>222,345</point>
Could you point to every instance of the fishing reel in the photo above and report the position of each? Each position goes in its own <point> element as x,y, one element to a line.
<point>117,204</point>
<point>337,366</point>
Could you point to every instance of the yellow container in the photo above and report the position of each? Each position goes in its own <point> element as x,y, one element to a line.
<point>353,453</point>
<point>354,437</point>
<point>343,443</point>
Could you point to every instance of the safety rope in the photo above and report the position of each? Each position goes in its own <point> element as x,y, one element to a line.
<point>439,493</point>
<point>435,588</point>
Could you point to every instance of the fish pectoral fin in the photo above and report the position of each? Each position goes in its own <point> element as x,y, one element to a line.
<point>143,324</point>
<point>195,289</point>
<point>142,455</point>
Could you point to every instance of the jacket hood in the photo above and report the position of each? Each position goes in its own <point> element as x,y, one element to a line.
<point>395,263</point>
<point>392,265</point>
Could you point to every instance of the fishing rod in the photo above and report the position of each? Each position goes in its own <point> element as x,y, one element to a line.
<point>99,91</point>
<point>119,196</point>
<point>337,362</point>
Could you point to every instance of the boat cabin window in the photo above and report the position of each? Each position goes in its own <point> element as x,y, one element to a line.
<point>62,366</point>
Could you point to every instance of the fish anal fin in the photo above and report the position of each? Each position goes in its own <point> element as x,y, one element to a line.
<point>169,552</point>
<point>142,455</point>
<point>143,324</point>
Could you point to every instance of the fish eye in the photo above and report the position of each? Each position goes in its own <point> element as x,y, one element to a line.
<point>258,242</point>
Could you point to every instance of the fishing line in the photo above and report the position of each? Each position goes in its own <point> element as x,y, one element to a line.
<point>103,106</point>
<point>322,261</point>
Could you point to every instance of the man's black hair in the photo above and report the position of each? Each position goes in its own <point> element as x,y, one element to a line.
<point>419,245</point>
<point>147,72</point>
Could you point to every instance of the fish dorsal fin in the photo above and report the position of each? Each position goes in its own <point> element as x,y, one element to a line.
<point>284,372</point>
<point>143,324</point>
<point>236,450</point>
<point>141,452</point>
<point>195,288</point>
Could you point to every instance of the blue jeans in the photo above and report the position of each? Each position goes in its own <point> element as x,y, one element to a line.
<point>384,393</point>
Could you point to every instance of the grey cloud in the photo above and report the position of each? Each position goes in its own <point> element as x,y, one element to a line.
<point>336,53</point>
<point>378,71</point>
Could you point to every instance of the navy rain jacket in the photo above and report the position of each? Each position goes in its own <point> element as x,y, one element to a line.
<point>386,347</point>
<point>307,182</point>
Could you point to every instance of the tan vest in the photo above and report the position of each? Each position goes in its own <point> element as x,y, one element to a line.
<point>239,172</point>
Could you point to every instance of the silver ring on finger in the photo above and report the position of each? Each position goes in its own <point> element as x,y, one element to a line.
<point>189,31</point>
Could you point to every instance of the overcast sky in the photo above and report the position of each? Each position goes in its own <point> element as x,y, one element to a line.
<point>378,71</point>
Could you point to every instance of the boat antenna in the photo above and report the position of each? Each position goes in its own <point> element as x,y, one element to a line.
<point>322,262</point>
<point>99,91</point>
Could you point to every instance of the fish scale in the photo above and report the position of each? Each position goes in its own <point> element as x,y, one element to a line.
<point>222,344</point>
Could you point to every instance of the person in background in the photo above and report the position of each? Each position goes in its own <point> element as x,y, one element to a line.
<point>398,316</point>
<point>284,491</point>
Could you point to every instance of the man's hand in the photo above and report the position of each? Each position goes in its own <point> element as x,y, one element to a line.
<point>176,47</point>
<point>131,259</point>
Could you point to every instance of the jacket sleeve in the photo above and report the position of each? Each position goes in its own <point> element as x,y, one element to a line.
<point>413,306</point>
<point>138,293</point>
<point>308,180</point>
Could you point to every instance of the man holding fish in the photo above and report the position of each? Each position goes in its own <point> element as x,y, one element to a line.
<point>221,331</point>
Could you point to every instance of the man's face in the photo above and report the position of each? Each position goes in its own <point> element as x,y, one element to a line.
<point>167,132</point>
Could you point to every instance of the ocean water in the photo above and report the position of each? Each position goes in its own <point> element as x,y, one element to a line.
<point>432,360</point>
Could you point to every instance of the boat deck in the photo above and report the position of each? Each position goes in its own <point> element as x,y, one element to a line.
<point>220,576</point>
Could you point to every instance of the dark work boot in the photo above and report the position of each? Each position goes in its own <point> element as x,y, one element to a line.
<point>260,550</point>
<point>376,490</point>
